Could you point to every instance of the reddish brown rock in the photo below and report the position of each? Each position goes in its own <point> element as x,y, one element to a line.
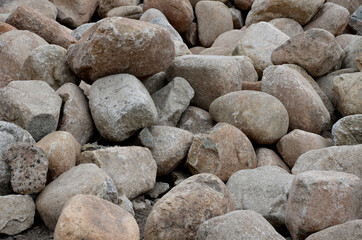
<point>179,213</point>
<point>178,12</point>
<point>287,26</point>
<point>90,217</point>
<point>331,17</point>
<point>4,27</point>
<point>28,19</point>
<point>255,86</point>
<point>297,142</point>
<point>105,6</point>
<point>315,50</point>
<point>213,19</point>
<point>4,80</point>
<point>191,35</point>
<point>244,4</point>
<point>321,199</point>
<point>109,48</point>
<point>222,150</point>
<point>267,157</point>
<point>346,231</point>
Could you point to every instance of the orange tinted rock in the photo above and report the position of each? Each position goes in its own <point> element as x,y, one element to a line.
<point>267,157</point>
<point>4,27</point>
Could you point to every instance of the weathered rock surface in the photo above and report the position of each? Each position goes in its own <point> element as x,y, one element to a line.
<point>4,80</point>
<point>120,45</point>
<point>228,39</point>
<point>346,231</point>
<point>321,199</point>
<point>33,105</point>
<point>168,145</point>
<point>62,151</point>
<point>120,105</point>
<point>195,120</point>
<point>175,36</point>
<point>264,190</point>
<point>358,62</point>
<point>350,5</point>
<point>351,52</point>
<point>265,124</point>
<point>212,76</point>
<point>355,21</point>
<point>90,217</point>
<point>45,7</point>
<point>339,158</point>
<point>348,130</point>
<point>155,82</point>
<point>179,213</point>
<point>105,6</point>
<point>346,39</point>
<point>81,30</point>
<point>267,157</point>
<point>222,150</point>
<point>152,13</point>
<point>238,21</point>
<point>17,213</point>
<point>85,179</point>
<point>315,50</point>
<point>48,63</point>
<point>288,26</point>
<point>132,12</point>
<point>4,27</point>
<point>242,224</point>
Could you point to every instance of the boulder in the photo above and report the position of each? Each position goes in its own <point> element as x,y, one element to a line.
<point>238,21</point>
<point>4,80</point>
<point>348,130</point>
<point>346,231</point>
<point>268,157</point>
<point>288,26</point>
<point>152,13</point>
<point>4,27</point>
<point>191,35</point>
<point>81,30</point>
<point>358,62</point>
<point>175,36</point>
<point>195,120</point>
<point>219,51</point>
<point>346,39</point>
<point>105,6</point>
<point>351,52</point>
<point>155,82</point>
<point>133,12</point>
<point>347,93</point>
<point>350,5</point>
<point>355,21</point>
<point>45,7</point>
<point>228,39</point>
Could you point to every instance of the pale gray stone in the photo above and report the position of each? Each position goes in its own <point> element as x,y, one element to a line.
<point>348,130</point>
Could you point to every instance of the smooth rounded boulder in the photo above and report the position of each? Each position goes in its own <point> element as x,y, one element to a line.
<point>120,45</point>
<point>265,124</point>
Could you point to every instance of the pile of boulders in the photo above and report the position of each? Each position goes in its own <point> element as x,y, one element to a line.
<point>181,119</point>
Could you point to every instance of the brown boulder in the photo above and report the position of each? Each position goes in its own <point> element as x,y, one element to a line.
<point>195,120</point>
<point>268,157</point>
<point>287,26</point>
<point>4,80</point>
<point>351,5</point>
<point>4,27</point>
<point>347,93</point>
<point>346,231</point>
<point>105,6</point>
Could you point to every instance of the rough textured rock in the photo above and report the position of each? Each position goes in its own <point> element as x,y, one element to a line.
<point>81,30</point>
<point>305,108</point>
<point>28,165</point>
<point>212,76</point>
<point>228,39</point>
<point>152,13</point>
<point>133,12</point>
<point>17,213</point>
<point>175,36</point>
<point>70,14</point>
<point>191,35</point>
<point>168,145</point>
<point>120,105</point>
<point>351,52</point>
<point>297,142</point>
<point>348,130</point>
<point>16,46</point>
<point>83,179</point>
<point>179,213</point>
<point>158,190</point>
<point>33,105</point>
<point>346,231</point>
<point>258,42</point>
<point>90,217</point>
<point>172,100</point>
<point>243,225</point>
<point>4,27</point>
<point>213,19</point>
<point>181,49</point>
<point>76,118</point>
<point>350,5</point>
<point>45,7</point>
<point>132,169</point>
<point>345,39</point>
<point>288,26</point>
<point>315,50</point>
<point>355,21</point>
<point>339,158</point>
<point>105,6</point>
<point>267,157</point>
<point>301,11</point>
<point>178,12</point>
<point>265,124</point>
<point>155,82</point>
<point>222,150</point>
<point>4,80</point>
<point>48,63</point>
<point>347,93</point>
<point>358,62</point>
<point>321,199</point>
<point>195,120</point>
<point>219,51</point>
<point>62,151</point>
<point>263,190</point>
<point>120,45</point>
<point>238,21</point>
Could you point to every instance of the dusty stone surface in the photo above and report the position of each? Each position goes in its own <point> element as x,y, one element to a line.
<point>152,13</point>
<point>213,19</point>
<point>155,82</point>
<point>350,5</point>
<point>17,213</point>
<point>258,42</point>
<point>172,100</point>
<point>222,150</point>
<point>16,46</point>
<point>45,7</point>
<point>159,189</point>
<point>358,62</point>
<point>4,27</point>
<point>339,158</point>
<point>178,12</point>
<point>168,145</point>
<point>208,77</point>
<point>108,48</point>
<point>132,169</point>
<point>175,36</point>
<point>241,224</point>
<point>219,51</point>
<point>83,179</point>
<point>28,19</point>
<point>48,63</point>
<point>120,105</point>
<point>76,118</point>
<point>268,157</point>
<point>81,30</point>
<point>133,12</point>
<point>105,6</point>
<point>355,21</point>
<point>288,26</point>
<point>351,52</point>
<point>179,213</point>
<point>315,50</point>
<point>28,167</point>
<point>62,151</point>
<point>345,39</point>
<point>181,49</point>
<point>191,35</point>
<point>195,120</point>
<point>348,130</point>
<point>305,108</point>
<point>321,199</point>
<point>265,124</point>
<point>237,17</point>
<point>350,230</point>
<point>4,80</point>
<point>254,86</point>
<point>228,39</point>
<point>297,142</point>
<point>264,190</point>
<point>33,105</point>
<point>94,218</point>
<point>301,11</point>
